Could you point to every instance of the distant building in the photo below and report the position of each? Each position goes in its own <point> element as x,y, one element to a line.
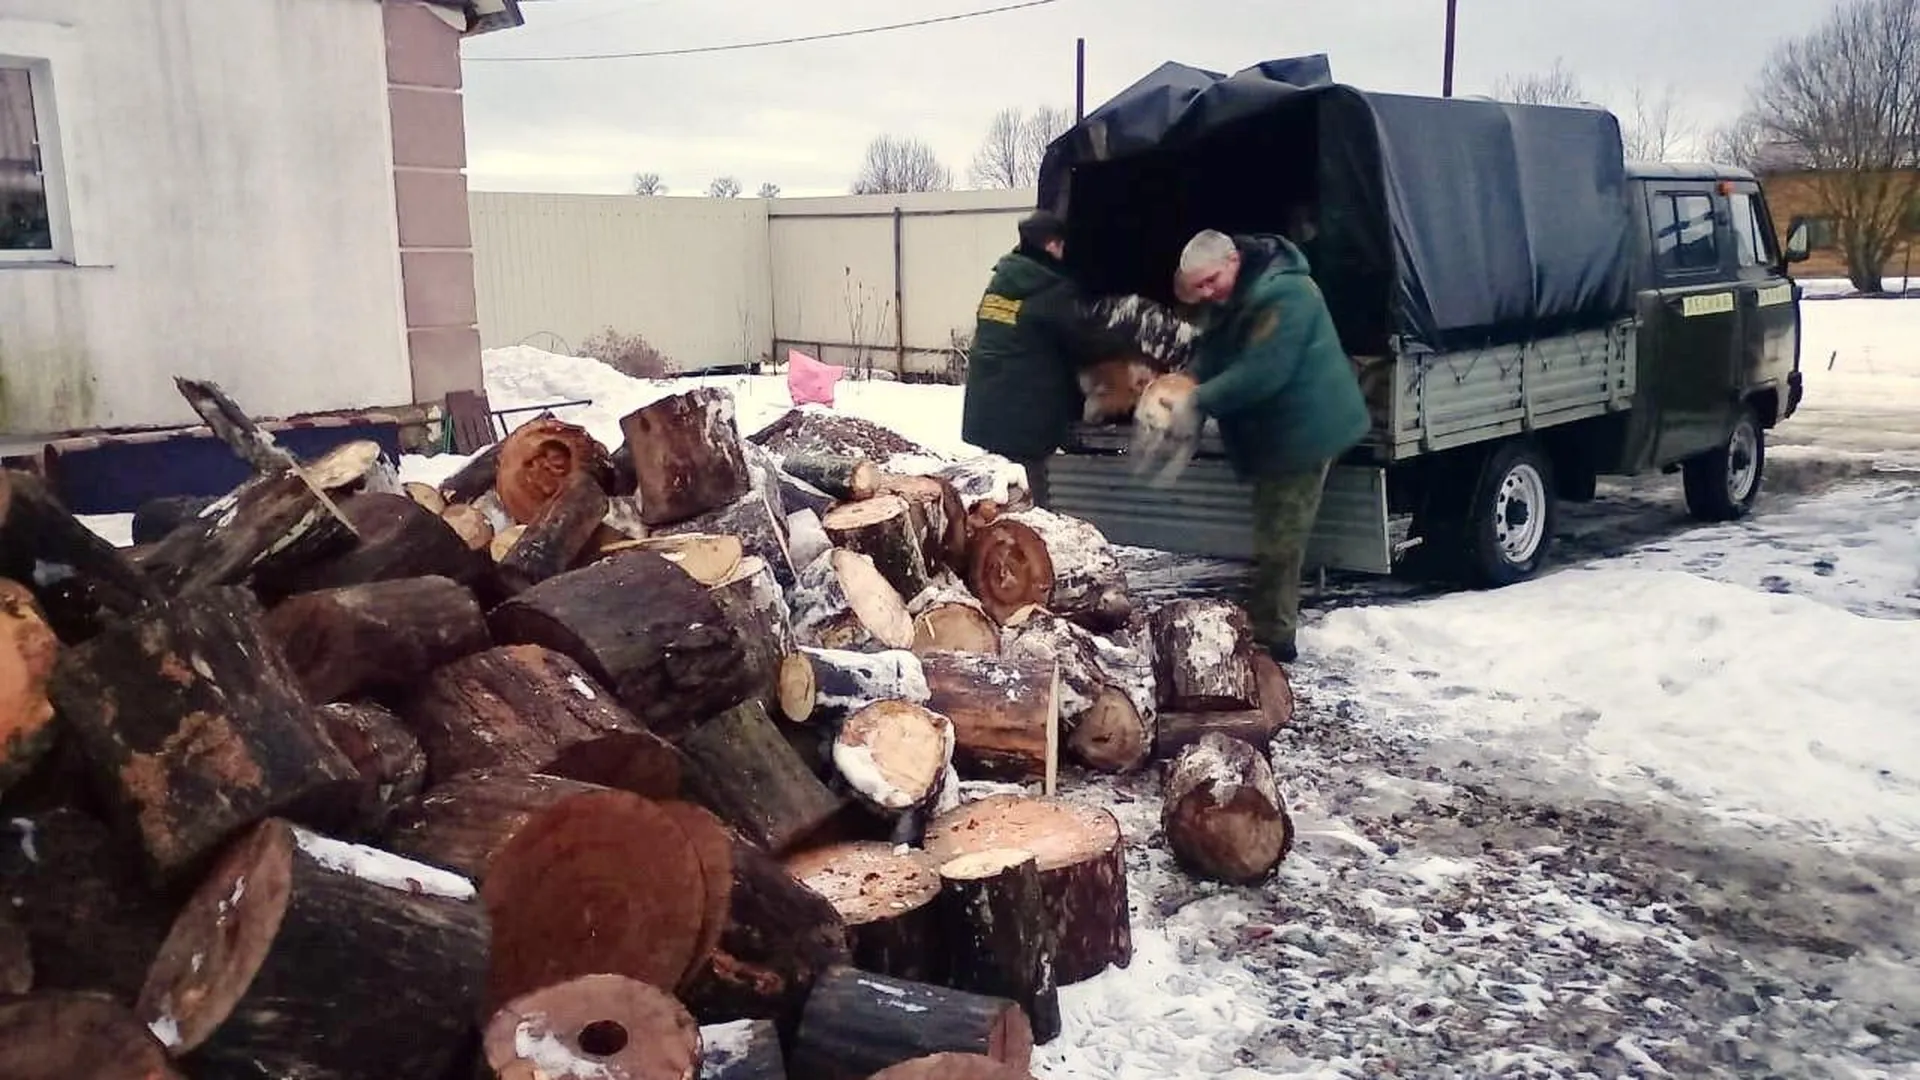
<point>1795,196</point>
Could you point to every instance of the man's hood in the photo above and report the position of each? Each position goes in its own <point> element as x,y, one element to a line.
<point>1262,253</point>
<point>1020,274</point>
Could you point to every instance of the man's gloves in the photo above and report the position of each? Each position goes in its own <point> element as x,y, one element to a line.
<point>1166,425</point>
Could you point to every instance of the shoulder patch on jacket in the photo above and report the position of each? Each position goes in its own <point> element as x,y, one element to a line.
<point>999,309</point>
<point>1265,325</point>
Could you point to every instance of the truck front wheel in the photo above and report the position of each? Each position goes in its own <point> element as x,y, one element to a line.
<point>1723,483</point>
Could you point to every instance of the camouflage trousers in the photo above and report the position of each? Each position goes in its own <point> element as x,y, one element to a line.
<point>1284,508</point>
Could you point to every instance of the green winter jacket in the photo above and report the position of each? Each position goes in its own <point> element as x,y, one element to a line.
<point>1030,339</point>
<point>1271,368</point>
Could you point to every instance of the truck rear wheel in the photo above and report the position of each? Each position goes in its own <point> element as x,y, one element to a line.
<point>1511,516</point>
<point>1722,484</point>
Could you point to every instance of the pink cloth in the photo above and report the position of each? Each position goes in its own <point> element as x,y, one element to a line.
<point>810,382</point>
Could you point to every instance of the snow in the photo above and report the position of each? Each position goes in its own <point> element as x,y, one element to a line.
<point>24,826</point>
<point>382,868</point>
<point>535,1044</point>
<point>724,1045</point>
<point>167,1030</point>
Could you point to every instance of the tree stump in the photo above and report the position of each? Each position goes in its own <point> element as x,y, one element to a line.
<point>529,709</point>
<point>1203,656</point>
<point>952,1067</point>
<point>760,528</point>
<point>886,897</point>
<point>687,455</point>
<point>825,686</point>
<point>780,936</point>
<point>756,607</point>
<point>273,524</point>
<point>894,755</point>
<point>1106,689</point>
<point>398,539</point>
<point>557,536</point>
<point>28,650</point>
<point>1081,857</point>
<point>300,955</point>
<point>535,461</point>
<point>739,766</point>
<point>464,824</point>
<point>882,528</point>
<point>1223,815</point>
<point>81,581</point>
<point>68,1036</point>
<point>1088,584</point>
<point>376,638</point>
<point>947,618</point>
<point>840,477</point>
<point>192,730</point>
<point>1009,568</point>
<point>842,601</point>
<point>594,1027</point>
<point>858,1022</point>
<point>642,627</point>
<point>998,934</point>
<point>806,540</point>
<point>1005,713</point>
<point>942,515</point>
<point>742,1050</point>
<point>392,767</point>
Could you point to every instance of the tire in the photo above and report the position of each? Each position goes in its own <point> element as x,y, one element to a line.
<point>1722,484</point>
<point>1510,517</point>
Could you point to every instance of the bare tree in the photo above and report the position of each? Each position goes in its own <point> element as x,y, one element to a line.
<point>769,190</point>
<point>648,183</point>
<point>901,164</point>
<point>1554,86</point>
<point>1844,101</point>
<point>725,187</point>
<point>1655,128</point>
<point>1014,146</point>
<point>1741,142</point>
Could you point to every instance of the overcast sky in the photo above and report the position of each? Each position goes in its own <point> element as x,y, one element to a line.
<point>800,115</point>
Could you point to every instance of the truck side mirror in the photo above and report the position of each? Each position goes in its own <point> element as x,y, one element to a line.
<point>1797,242</point>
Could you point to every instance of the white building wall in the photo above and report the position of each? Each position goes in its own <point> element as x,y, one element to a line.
<point>227,170</point>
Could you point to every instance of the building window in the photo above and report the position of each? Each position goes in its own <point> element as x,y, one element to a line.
<point>1683,240</point>
<point>27,198</point>
<point>1822,235</point>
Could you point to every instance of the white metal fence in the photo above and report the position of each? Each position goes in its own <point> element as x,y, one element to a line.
<point>890,281</point>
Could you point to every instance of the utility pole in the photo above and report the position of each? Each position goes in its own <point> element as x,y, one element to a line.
<point>1446,78</point>
<point>1080,79</point>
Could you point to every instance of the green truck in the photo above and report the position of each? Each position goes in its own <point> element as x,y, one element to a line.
<point>1527,311</point>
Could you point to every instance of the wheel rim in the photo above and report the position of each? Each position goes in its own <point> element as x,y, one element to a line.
<point>1520,513</point>
<point>1743,461</point>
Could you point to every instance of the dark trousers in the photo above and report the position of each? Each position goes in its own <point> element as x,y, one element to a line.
<point>1037,478</point>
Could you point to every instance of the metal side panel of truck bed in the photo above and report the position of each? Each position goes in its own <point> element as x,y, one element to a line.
<point>1435,402</point>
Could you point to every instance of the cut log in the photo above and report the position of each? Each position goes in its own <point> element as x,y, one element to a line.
<point>1082,865</point>
<point>756,607</point>
<point>595,1027</point>
<point>274,524</point>
<point>1005,713</point>
<point>1089,585</point>
<point>392,767</point>
<point>623,517</point>
<point>1203,656</point>
<point>1009,568</point>
<point>92,921</point>
<point>81,581</point>
<point>28,650</point>
<point>894,755</point>
<point>356,467</point>
<point>398,538</point>
<point>761,529</point>
<point>952,1067</point>
<point>193,731</point>
<point>1106,689</point>
<point>376,638</point>
<point>739,766</point>
<point>475,478</point>
<point>1175,731</point>
<point>464,823</point>
<point>987,479</point>
<point>503,541</point>
<point>231,424</point>
<point>843,602</point>
<point>948,618</point>
<point>806,539</point>
<point>858,1023</point>
<point>557,536</point>
<point>780,936</point>
<point>606,882</point>
<point>707,558</point>
<point>713,844</point>
<point>798,496</point>
<point>825,686</point>
<point>642,627</point>
<point>998,934</point>
<point>841,477</point>
<point>1222,812</point>
<point>60,1036</point>
<point>428,496</point>
<point>687,455</point>
<point>301,955</point>
<point>883,529</point>
<point>742,1050</point>
<point>16,956</point>
<point>529,709</point>
<point>939,509</point>
<point>1276,692</point>
<point>537,458</point>
<point>471,526</point>
<point>626,481</point>
<point>886,896</point>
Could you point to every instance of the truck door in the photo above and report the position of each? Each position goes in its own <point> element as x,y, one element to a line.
<point>1697,319</point>
<point>1769,315</point>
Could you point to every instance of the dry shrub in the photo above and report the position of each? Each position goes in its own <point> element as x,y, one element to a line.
<point>628,354</point>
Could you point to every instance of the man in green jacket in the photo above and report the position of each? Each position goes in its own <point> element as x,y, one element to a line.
<point>1030,339</point>
<point>1270,369</point>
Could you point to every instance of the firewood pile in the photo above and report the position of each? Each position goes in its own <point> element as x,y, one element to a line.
<point>682,759</point>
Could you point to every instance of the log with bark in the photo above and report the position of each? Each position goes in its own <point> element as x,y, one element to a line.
<point>398,538</point>
<point>894,755</point>
<point>428,496</point>
<point>713,845</point>
<point>941,516</point>
<point>857,1023</point>
<point>193,730</point>
<point>842,601</point>
<point>946,617</point>
<point>952,1067</point>
<point>998,936</point>
<point>377,638</point>
<point>741,767</point>
<point>806,539</point>
<point>797,495</point>
<point>529,709</point>
<point>300,955</point>
<point>1106,688</point>
<point>502,543</point>
<point>70,1036</point>
<point>883,529</point>
<point>535,461</point>
<point>16,956</point>
<point>274,524</point>
<point>1276,692</point>
<point>1203,656</point>
<point>471,526</point>
<point>606,882</point>
<point>1175,731</point>
<point>158,516</point>
<point>357,467</point>
<point>643,628</point>
<point>742,1050</point>
<point>987,479</point>
<point>626,480</point>
<point>825,686</point>
<point>464,824</point>
<point>1222,812</point>
<point>839,476</point>
<point>1005,713</point>
<point>474,479</point>
<point>623,517</point>
<point>756,607</point>
<point>92,920</point>
<point>687,455</point>
<point>760,527</point>
<point>887,897</point>
<point>28,650</point>
<point>1081,858</point>
<point>557,536</point>
<point>392,767</point>
<point>1009,568</point>
<point>594,1027</point>
<point>81,581</point>
<point>1088,584</point>
<point>708,558</point>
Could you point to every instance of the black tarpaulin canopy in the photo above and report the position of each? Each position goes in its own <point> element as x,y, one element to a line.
<point>1454,223</point>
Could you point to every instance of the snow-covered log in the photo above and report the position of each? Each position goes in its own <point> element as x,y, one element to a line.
<point>753,603</point>
<point>839,476</point>
<point>1088,583</point>
<point>894,755</point>
<point>825,686</point>
<point>687,455</point>
<point>946,617</point>
<point>1223,814</point>
<point>883,529</point>
<point>1106,688</point>
<point>761,529</point>
<point>806,539</point>
<point>842,601</point>
<point>1203,656</point>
